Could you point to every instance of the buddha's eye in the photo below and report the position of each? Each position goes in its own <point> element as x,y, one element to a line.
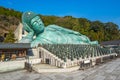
<point>34,22</point>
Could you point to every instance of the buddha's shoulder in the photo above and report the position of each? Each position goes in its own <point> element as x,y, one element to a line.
<point>53,27</point>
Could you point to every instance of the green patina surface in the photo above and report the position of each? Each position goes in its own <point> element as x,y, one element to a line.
<point>51,34</point>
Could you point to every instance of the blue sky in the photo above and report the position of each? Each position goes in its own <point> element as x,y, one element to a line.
<point>102,10</point>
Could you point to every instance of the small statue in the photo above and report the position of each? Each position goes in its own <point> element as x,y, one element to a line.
<point>52,34</point>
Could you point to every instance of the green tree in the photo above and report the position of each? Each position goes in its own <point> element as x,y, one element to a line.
<point>111,31</point>
<point>10,38</point>
<point>97,31</point>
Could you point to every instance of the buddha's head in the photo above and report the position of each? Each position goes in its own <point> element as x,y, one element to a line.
<point>33,21</point>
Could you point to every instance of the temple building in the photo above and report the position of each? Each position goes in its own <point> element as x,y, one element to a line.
<point>59,55</point>
<point>111,43</point>
<point>13,51</point>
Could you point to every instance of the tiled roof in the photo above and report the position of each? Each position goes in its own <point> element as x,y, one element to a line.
<point>14,45</point>
<point>114,42</point>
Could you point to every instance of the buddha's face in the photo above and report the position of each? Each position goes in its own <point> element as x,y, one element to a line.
<point>37,25</point>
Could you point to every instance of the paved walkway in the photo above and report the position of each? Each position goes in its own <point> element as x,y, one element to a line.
<point>45,66</point>
<point>107,71</point>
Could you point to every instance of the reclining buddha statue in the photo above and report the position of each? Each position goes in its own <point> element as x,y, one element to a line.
<point>51,34</point>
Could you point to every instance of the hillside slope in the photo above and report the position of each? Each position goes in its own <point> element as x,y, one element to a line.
<point>95,30</point>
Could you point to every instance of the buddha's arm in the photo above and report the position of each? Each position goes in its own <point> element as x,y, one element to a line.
<point>29,37</point>
<point>59,28</point>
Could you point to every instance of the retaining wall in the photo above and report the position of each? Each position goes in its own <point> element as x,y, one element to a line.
<point>16,65</point>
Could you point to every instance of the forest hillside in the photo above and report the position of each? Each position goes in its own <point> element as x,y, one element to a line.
<point>95,30</point>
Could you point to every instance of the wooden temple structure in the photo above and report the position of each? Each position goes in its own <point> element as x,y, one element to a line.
<point>13,51</point>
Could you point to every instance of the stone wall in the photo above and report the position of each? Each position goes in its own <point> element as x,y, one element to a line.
<point>16,65</point>
<point>11,65</point>
<point>53,60</point>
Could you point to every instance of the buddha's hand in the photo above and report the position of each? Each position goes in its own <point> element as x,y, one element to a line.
<point>29,37</point>
<point>35,43</point>
<point>27,28</point>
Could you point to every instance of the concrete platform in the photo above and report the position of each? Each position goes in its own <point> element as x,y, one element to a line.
<point>105,71</point>
<point>45,68</point>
